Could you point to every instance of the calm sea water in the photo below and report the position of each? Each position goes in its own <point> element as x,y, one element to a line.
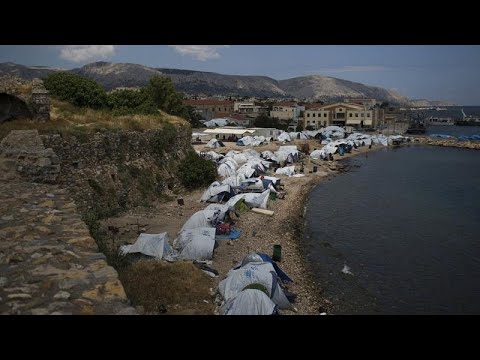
<point>406,221</point>
<point>453,130</point>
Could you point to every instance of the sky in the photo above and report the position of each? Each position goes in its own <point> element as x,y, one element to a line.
<point>433,72</point>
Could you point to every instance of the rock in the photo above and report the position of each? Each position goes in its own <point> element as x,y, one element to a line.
<point>127,311</point>
<point>50,195</point>
<point>39,311</point>
<point>140,309</point>
<point>19,296</point>
<point>15,258</point>
<point>36,256</point>
<point>66,284</point>
<point>323,313</point>
<point>62,295</point>
<point>3,281</point>
<point>295,310</point>
<point>230,242</point>
<point>56,313</point>
<point>48,203</point>
<point>7,218</point>
<point>142,230</point>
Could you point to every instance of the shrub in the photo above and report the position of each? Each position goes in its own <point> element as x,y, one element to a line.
<point>163,140</point>
<point>76,89</point>
<point>195,171</point>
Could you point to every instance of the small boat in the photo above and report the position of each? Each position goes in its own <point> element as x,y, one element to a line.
<point>440,121</point>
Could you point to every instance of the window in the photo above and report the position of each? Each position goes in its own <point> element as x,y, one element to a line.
<point>308,121</point>
<point>350,115</point>
<point>225,109</point>
<point>313,115</point>
<point>340,109</point>
<point>324,123</point>
<point>308,114</point>
<point>356,115</point>
<point>368,114</point>
<point>219,109</point>
<point>213,109</point>
<point>325,115</point>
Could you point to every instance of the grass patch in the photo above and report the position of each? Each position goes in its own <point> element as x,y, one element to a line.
<point>157,285</point>
<point>68,119</point>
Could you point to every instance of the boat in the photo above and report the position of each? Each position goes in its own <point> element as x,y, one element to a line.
<point>416,128</point>
<point>440,121</point>
<point>472,120</point>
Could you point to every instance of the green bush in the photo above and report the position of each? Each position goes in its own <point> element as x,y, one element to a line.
<point>161,91</point>
<point>128,102</point>
<point>195,172</point>
<point>163,140</point>
<point>76,89</point>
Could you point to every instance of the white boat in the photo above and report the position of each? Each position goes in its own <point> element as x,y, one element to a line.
<point>440,121</point>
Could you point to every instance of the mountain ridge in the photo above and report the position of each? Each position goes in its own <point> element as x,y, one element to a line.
<point>313,87</point>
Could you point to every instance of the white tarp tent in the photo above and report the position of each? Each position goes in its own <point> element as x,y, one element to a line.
<point>202,218</point>
<point>214,143</point>
<point>254,273</point>
<point>225,170</point>
<point>216,192</point>
<point>217,122</point>
<point>248,302</point>
<point>288,170</point>
<point>284,136</point>
<point>155,245</point>
<point>252,200</point>
<point>195,244</point>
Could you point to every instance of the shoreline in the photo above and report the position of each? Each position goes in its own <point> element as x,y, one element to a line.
<point>259,232</point>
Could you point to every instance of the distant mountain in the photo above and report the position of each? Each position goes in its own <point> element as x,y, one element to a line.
<point>24,72</point>
<point>114,75</point>
<point>425,102</point>
<point>332,89</point>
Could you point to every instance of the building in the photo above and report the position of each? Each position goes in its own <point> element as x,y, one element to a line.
<point>266,132</point>
<point>343,114</point>
<point>249,108</point>
<point>285,111</point>
<point>362,101</point>
<point>211,108</point>
<point>228,133</point>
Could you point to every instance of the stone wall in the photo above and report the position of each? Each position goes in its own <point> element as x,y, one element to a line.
<point>31,92</point>
<point>23,152</point>
<point>113,171</point>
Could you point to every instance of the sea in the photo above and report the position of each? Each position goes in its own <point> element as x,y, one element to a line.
<point>399,233</point>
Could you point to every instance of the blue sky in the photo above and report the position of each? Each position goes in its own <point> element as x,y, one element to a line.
<point>440,72</point>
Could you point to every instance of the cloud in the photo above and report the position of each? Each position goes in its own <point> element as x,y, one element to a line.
<point>199,52</point>
<point>85,53</point>
<point>355,68</point>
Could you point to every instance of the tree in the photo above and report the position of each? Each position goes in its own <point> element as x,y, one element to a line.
<point>163,94</point>
<point>192,116</point>
<point>264,121</point>
<point>310,128</point>
<point>76,89</point>
<point>127,101</point>
<point>195,172</point>
<point>299,127</point>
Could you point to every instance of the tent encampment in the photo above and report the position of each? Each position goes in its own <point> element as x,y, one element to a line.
<point>155,245</point>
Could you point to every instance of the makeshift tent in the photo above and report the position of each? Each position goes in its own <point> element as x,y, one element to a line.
<point>289,171</point>
<point>252,200</point>
<point>217,193</point>
<point>217,122</point>
<point>155,245</point>
<point>202,218</point>
<point>225,170</point>
<point>249,302</point>
<point>214,143</point>
<point>259,257</point>
<point>261,273</point>
<point>284,136</point>
<point>196,244</point>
